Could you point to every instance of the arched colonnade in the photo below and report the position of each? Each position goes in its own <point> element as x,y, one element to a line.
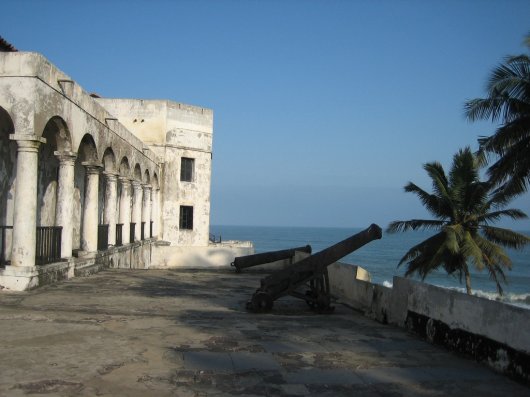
<point>72,190</point>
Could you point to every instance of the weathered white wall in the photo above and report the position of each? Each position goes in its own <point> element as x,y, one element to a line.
<point>174,130</point>
<point>467,316</point>
<point>146,119</point>
<point>499,321</point>
<point>176,193</point>
<point>215,255</point>
<point>33,91</point>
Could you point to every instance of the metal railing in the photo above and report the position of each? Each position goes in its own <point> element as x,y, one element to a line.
<point>48,248</point>
<point>4,249</point>
<point>131,233</point>
<point>119,231</point>
<point>142,231</point>
<point>213,238</point>
<point>103,237</point>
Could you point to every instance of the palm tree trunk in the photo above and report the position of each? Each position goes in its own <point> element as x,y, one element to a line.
<point>468,280</point>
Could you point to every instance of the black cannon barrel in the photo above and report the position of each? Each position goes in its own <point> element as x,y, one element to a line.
<point>242,262</point>
<point>280,281</point>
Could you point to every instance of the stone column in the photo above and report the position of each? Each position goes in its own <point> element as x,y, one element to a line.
<point>155,217</point>
<point>137,208</point>
<point>25,211</point>
<point>146,210</point>
<point>111,198</point>
<point>65,200</point>
<point>125,208</point>
<point>89,228</point>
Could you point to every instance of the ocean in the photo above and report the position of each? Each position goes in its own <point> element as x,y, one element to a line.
<point>381,257</point>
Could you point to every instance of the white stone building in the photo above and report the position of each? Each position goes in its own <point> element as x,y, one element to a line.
<point>88,182</point>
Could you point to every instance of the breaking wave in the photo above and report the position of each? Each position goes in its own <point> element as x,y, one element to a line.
<point>520,300</point>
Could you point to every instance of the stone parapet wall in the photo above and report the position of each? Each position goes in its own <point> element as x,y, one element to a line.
<point>491,332</point>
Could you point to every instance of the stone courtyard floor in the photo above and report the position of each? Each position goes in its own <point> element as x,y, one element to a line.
<point>186,333</point>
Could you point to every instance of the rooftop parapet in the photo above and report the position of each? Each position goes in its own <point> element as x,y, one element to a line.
<point>34,65</point>
<point>163,122</point>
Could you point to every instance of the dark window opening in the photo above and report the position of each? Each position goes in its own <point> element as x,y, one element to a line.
<point>186,169</point>
<point>186,217</point>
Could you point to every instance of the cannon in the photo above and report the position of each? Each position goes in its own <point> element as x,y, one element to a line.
<point>242,262</point>
<point>312,273</point>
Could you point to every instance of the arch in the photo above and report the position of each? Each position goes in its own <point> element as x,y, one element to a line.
<point>6,123</point>
<point>86,153</point>
<point>154,181</point>
<point>147,177</point>
<point>57,140</point>
<point>87,150</point>
<point>8,170</point>
<point>137,172</point>
<point>109,160</point>
<point>57,131</point>
<point>124,169</point>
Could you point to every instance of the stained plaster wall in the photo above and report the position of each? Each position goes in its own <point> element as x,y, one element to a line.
<point>174,130</point>
<point>32,93</point>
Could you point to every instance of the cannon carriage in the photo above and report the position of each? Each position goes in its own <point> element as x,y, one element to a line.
<point>310,273</point>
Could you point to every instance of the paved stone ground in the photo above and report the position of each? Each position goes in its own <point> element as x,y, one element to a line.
<point>186,333</point>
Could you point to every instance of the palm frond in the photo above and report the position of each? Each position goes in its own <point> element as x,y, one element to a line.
<point>512,213</point>
<point>440,183</point>
<point>495,259</point>
<point>507,135</point>
<point>505,237</point>
<point>484,108</point>
<point>425,256</point>
<point>510,78</point>
<point>453,236</point>
<point>472,251</point>
<point>501,196</point>
<point>434,204</point>
<point>424,246</point>
<point>414,224</point>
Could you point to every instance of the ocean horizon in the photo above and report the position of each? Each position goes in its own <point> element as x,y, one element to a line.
<point>381,257</point>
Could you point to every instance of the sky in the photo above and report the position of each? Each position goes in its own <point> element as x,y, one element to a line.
<point>323,109</point>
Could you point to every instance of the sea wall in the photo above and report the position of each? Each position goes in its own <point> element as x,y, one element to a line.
<point>491,332</point>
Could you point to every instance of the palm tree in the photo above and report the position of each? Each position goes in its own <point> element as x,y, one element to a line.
<point>463,208</point>
<point>507,102</point>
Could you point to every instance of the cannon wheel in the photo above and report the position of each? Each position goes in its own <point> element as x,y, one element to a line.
<point>310,298</point>
<point>260,302</point>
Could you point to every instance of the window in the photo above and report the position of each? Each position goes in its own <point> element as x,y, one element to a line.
<point>186,217</point>
<point>186,169</point>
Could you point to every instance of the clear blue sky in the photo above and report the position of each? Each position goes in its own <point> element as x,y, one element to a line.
<point>324,109</point>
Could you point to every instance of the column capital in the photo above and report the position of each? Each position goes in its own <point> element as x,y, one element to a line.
<point>27,142</point>
<point>147,187</point>
<point>92,168</point>
<point>66,157</point>
<point>124,182</point>
<point>110,176</point>
<point>136,185</point>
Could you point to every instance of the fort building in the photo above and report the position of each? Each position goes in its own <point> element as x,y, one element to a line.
<point>89,182</point>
